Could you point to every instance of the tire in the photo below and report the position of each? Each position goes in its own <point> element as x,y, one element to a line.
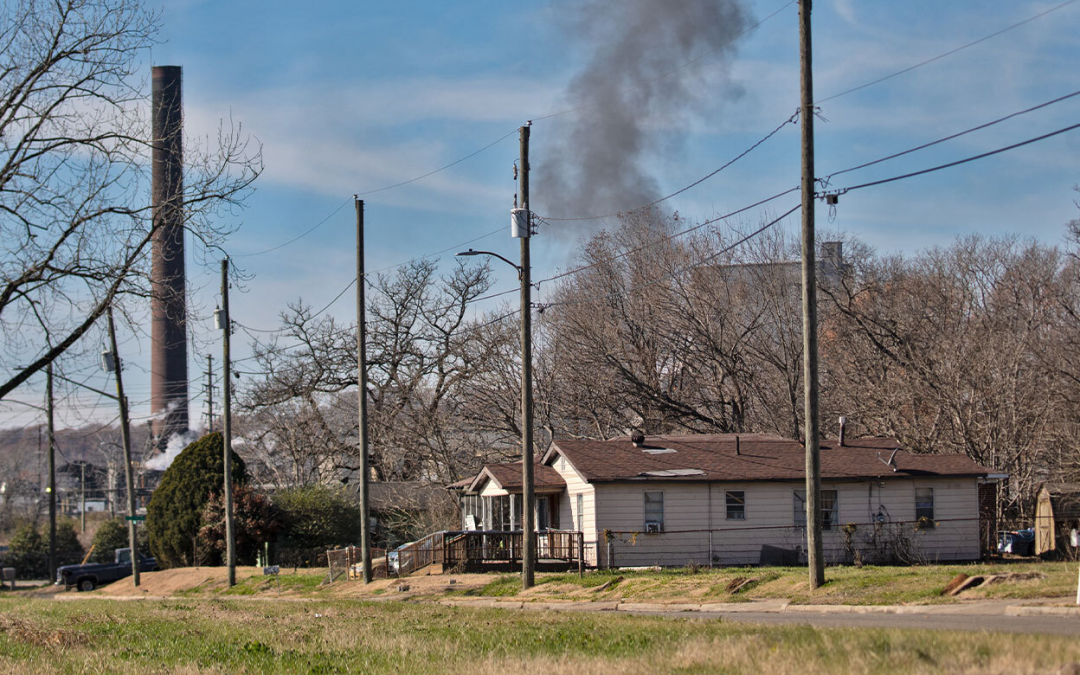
<point>86,584</point>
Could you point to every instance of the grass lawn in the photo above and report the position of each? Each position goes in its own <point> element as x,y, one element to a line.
<point>844,585</point>
<point>241,636</point>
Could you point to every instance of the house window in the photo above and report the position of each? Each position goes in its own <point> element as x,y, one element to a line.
<point>736,505</point>
<point>654,511</point>
<point>924,507</point>
<point>829,509</point>
<point>581,512</point>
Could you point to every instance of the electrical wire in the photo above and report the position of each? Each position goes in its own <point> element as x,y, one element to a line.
<point>686,268</point>
<point>950,164</point>
<point>512,132</point>
<point>443,168</point>
<point>946,54</point>
<point>669,237</point>
<point>744,153</point>
<point>677,68</point>
<point>298,237</point>
<point>825,181</point>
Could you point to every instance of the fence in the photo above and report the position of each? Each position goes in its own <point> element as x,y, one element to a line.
<point>457,549</point>
<point>904,542</point>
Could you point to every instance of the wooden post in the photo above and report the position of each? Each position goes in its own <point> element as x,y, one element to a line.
<point>581,554</point>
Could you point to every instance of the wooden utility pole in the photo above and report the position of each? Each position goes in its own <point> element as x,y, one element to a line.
<point>210,393</point>
<point>809,307</point>
<point>528,557</point>
<point>52,472</point>
<point>82,497</point>
<point>226,369</point>
<point>125,433</point>
<point>361,382</point>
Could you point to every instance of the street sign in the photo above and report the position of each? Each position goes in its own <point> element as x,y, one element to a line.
<point>134,518</point>
<point>272,569</point>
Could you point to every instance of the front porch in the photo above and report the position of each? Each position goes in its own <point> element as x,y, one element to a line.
<point>478,551</point>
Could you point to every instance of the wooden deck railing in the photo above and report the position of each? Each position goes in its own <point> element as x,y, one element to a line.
<point>452,548</point>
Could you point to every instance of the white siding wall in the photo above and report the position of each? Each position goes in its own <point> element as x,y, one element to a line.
<point>490,489</point>
<point>770,521</point>
<point>568,507</point>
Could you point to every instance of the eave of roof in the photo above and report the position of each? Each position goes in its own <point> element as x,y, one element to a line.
<point>761,458</point>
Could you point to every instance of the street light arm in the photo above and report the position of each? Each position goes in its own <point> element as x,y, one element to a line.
<point>471,252</point>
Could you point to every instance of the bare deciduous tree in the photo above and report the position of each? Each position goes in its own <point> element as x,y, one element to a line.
<point>75,217</point>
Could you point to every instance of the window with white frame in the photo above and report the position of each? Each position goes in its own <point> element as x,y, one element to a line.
<point>924,507</point>
<point>736,505</point>
<point>654,511</point>
<point>581,512</point>
<point>830,510</point>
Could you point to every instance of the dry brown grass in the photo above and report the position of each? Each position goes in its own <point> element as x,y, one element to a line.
<point>228,636</point>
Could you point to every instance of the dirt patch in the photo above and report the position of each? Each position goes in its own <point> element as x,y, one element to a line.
<point>171,582</point>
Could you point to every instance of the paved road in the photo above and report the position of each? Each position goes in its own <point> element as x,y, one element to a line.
<point>1049,625</point>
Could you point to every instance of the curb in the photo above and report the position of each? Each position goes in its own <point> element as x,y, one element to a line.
<point>769,607</point>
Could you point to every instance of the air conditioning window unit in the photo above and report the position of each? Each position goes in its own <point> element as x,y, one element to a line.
<point>653,527</point>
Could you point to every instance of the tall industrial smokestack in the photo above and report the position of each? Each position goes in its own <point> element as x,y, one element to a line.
<point>169,377</point>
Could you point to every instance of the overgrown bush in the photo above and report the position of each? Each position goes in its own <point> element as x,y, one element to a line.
<point>174,514</point>
<point>113,534</point>
<point>255,522</point>
<point>317,516</point>
<point>28,550</point>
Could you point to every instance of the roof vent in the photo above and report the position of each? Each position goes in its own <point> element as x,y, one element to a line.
<point>638,439</point>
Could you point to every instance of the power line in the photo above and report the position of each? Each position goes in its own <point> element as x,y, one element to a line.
<point>511,133</point>
<point>686,268</point>
<point>443,168</point>
<point>826,179</point>
<point>298,237</point>
<point>677,68</point>
<point>669,237</point>
<point>946,54</point>
<point>950,164</point>
<point>744,153</point>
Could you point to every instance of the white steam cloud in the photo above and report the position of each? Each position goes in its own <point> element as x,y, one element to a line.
<point>176,445</point>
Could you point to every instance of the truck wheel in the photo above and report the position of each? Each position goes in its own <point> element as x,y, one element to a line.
<point>86,584</point>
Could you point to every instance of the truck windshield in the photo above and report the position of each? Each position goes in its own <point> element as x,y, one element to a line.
<point>123,556</point>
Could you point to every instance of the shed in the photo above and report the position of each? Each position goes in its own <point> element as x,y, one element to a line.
<point>1057,516</point>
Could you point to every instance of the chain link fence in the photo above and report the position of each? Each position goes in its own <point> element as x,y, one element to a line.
<point>905,542</point>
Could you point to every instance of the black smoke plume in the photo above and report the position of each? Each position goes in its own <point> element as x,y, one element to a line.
<point>641,83</point>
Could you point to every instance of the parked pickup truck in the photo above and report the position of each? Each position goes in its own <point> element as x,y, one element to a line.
<point>89,577</point>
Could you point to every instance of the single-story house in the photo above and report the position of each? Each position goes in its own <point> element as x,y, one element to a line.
<point>737,499</point>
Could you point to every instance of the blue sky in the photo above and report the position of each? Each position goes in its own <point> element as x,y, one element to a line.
<point>351,97</point>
